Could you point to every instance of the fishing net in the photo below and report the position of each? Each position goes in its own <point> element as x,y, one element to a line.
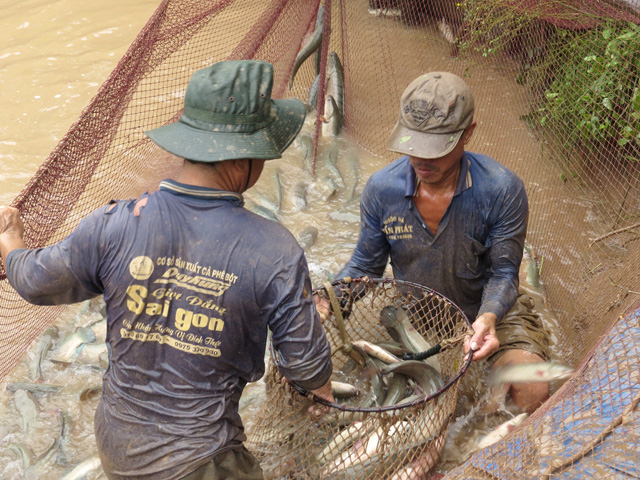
<point>557,94</point>
<point>398,420</point>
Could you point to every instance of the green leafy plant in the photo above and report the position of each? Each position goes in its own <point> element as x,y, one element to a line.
<point>594,99</point>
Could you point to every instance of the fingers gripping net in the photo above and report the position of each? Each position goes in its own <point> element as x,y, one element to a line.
<point>398,419</point>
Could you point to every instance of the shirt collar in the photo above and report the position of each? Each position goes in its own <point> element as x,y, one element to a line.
<point>200,193</point>
<point>464,181</point>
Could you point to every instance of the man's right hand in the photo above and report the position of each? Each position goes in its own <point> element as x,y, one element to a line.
<point>11,230</point>
<point>323,306</point>
<point>325,393</point>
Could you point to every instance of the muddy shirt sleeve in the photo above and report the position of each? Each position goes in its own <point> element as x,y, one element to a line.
<point>63,273</point>
<point>371,254</point>
<point>302,348</point>
<point>506,244</point>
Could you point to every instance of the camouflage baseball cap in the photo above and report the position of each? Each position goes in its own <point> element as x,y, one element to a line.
<point>434,111</point>
<point>229,114</point>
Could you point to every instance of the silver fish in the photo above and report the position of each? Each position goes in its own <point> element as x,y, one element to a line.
<point>24,453</point>
<point>501,431</point>
<point>34,387</point>
<point>299,195</point>
<point>100,330</point>
<point>530,373</point>
<point>262,211</point>
<point>89,392</point>
<point>330,156</point>
<point>279,189</point>
<point>310,47</point>
<point>89,353</point>
<point>335,81</point>
<point>28,408</point>
<point>45,342</point>
<point>376,351</point>
<point>426,377</point>
<point>307,237</point>
<point>396,389</point>
<point>313,93</point>
<point>67,351</point>
<point>333,120</point>
<point>84,468</point>
<point>305,143</point>
<point>343,390</point>
<point>341,216</point>
<point>396,321</point>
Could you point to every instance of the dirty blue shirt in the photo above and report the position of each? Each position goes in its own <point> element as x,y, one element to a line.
<point>191,284</point>
<point>474,257</point>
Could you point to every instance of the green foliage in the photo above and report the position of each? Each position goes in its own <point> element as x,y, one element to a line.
<point>594,99</point>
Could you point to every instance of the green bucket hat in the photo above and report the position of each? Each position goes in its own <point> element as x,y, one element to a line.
<point>229,114</point>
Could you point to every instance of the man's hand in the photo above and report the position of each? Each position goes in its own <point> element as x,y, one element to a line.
<point>11,231</point>
<point>484,341</point>
<point>323,306</point>
<point>325,393</point>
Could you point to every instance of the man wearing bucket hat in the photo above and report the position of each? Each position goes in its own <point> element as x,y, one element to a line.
<point>454,221</point>
<point>192,283</point>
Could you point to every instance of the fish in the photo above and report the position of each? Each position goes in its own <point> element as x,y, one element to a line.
<point>530,373</point>
<point>330,155</point>
<point>266,202</point>
<point>89,392</point>
<point>351,158</point>
<point>46,341</point>
<point>531,268</point>
<point>100,330</point>
<point>67,351</point>
<point>313,93</point>
<point>425,376</point>
<point>341,441</point>
<point>323,188</point>
<point>332,121</point>
<point>299,195</point>
<point>343,390</point>
<point>305,143</point>
<point>262,211</point>
<point>28,408</point>
<point>341,216</point>
<point>279,190</point>
<point>89,353</point>
<point>335,83</point>
<point>307,237</point>
<point>34,387</point>
<point>400,328</point>
<point>89,465</point>
<point>376,351</point>
<point>310,47</point>
<point>419,468</point>
<point>501,431</point>
<point>62,443</point>
<point>397,386</point>
<point>24,453</point>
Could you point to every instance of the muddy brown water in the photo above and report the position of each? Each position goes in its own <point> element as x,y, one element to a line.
<point>53,58</point>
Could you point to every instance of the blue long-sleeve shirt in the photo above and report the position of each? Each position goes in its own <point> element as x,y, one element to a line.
<point>474,257</point>
<point>191,285</point>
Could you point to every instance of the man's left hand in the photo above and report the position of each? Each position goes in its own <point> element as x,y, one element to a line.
<point>11,230</point>
<point>484,341</point>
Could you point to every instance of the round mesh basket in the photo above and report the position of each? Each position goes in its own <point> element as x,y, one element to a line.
<point>397,351</point>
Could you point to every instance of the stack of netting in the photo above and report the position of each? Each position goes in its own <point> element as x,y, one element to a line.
<point>392,408</point>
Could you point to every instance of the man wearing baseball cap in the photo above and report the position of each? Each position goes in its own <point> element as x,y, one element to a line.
<point>454,221</point>
<point>192,283</point>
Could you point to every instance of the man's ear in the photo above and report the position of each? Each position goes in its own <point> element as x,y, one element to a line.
<point>468,132</point>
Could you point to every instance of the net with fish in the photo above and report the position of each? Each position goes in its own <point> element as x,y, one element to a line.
<point>557,89</point>
<point>392,411</point>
